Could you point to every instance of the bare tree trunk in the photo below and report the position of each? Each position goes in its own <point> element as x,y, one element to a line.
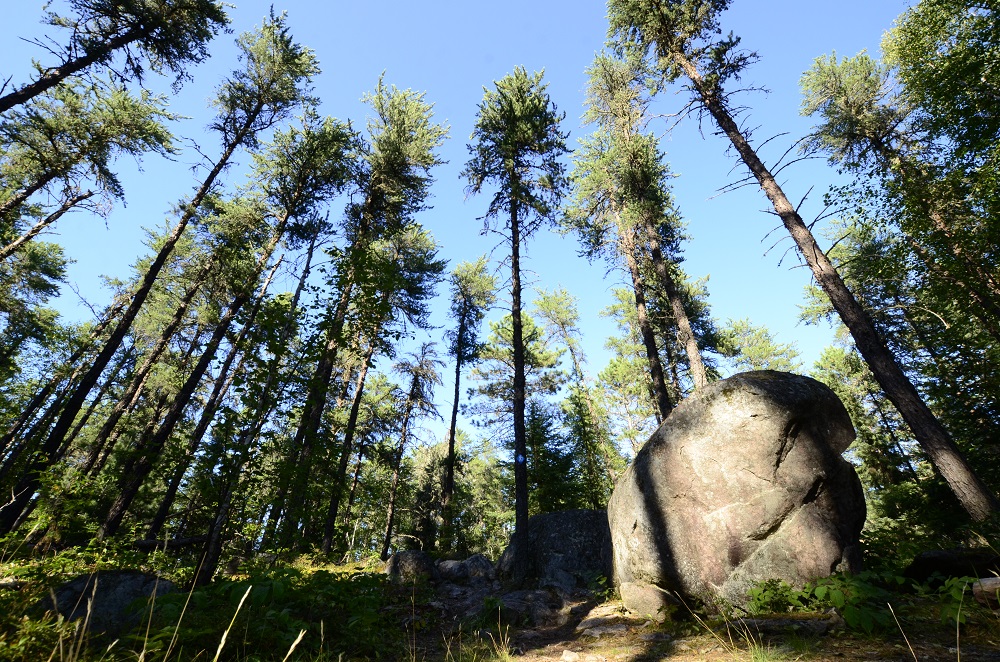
<point>39,399</point>
<point>352,493</point>
<point>213,547</point>
<point>56,75</point>
<point>661,397</point>
<point>345,453</point>
<point>95,402</point>
<point>31,436</point>
<point>135,473</point>
<point>448,489</point>
<point>520,539</point>
<point>685,335</point>
<point>219,391</point>
<point>972,493</point>
<point>132,394</point>
<point>397,462</point>
<point>315,404</point>
<point>267,397</point>
<point>68,204</point>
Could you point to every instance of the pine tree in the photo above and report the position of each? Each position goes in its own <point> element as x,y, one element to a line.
<point>623,209</point>
<point>253,99</point>
<point>422,369</point>
<point>393,182</point>
<point>516,148</point>
<point>472,295</point>
<point>596,461</point>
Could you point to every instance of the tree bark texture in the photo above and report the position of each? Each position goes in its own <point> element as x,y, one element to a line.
<point>685,335</point>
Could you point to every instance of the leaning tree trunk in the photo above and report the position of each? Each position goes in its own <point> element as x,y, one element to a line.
<point>52,77</point>
<point>219,391</point>
<point>136,472</point>
<point>17,199</point>
<point>132,394</point>
<point>31,439</point>
<point>315,404</point>
<point>267,400</point>
<point>50,387</point>
<point>352,494</point>
<point>661,397</point>
<point>32,477</point>
<point>973,494</point>
<point>330,525</point>
<point>685,335</point>
<point>346,451</point>
<point>95,403</point>
<point>67,204</point>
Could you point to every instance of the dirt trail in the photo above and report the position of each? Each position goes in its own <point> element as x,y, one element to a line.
<point>606,633</point>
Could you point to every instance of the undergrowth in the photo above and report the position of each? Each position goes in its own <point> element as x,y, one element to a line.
<point>315,612</point>
<point>863,600</point>
<point>322,613</point>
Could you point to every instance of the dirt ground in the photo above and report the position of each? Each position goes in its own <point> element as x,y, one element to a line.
<point>605,632</point>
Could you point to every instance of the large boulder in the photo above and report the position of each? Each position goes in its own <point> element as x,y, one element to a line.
<point>987,592</point>
<point>567,550</point>
<point>113,601</point>
<point>743,482</point>
<point>532,607</point>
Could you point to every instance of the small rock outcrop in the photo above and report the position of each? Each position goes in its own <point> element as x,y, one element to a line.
<point>987,592</point>
<point>411,565</point>
<point>936,564</point>
<point>119,598</point>
<point>567,550</point>
<point>532,607</point>
<point>743,482</point>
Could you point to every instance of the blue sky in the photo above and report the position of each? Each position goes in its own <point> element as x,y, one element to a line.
<point>450,50</point>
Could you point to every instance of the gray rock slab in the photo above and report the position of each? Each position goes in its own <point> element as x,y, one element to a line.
<point>567,550</point>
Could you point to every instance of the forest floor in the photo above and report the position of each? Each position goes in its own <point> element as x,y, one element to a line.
<point>364,617</point>
<point>606,632</point>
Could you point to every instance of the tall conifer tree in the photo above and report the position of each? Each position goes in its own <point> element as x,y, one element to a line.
<point>516,145</point>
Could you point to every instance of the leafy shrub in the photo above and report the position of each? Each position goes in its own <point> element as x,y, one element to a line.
<point>860,599</point>
<point>953,595</point>
<point>773,596</point>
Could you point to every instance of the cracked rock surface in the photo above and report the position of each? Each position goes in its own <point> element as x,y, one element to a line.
<point>743,482</point>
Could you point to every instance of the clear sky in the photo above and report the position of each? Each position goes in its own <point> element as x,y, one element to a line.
<point>451,49</point>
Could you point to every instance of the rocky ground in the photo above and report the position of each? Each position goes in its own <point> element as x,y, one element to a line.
<point>458,611</point>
